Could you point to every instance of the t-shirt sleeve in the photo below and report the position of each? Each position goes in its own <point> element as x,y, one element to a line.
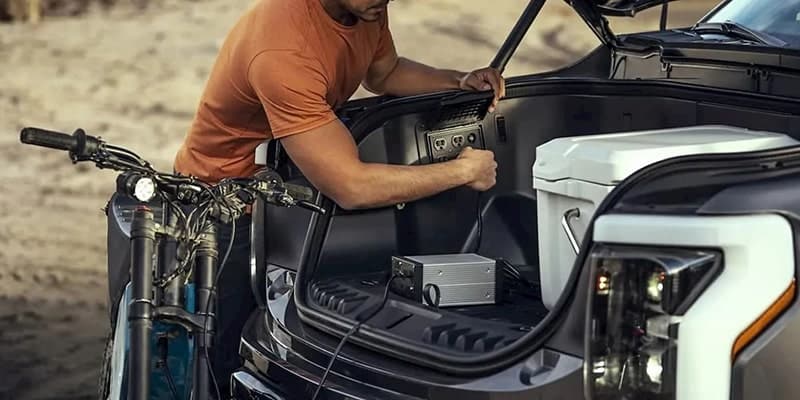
<point>293,90</point>
<point>386,42</point>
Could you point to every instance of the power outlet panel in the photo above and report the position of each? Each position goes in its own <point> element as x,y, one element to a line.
<point>446,144</point>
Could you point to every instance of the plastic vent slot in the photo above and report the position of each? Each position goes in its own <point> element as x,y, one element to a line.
<point>336,298</point>
<point>460,114</point>
<point>464,339</point>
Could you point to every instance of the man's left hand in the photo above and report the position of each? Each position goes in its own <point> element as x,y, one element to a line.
<point>485,79</point>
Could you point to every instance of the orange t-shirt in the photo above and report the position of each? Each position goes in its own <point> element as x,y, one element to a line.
<point>283,69</point>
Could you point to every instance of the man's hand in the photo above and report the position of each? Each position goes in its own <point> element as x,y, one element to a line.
<point>485,79</point>
<point>481,168</point>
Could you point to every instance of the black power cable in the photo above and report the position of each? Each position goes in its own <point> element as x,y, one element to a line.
<point>353,330</point>
<point>162,344</point>
<point>426,295</point>
<point>171,381</point>
<point>479,213</point>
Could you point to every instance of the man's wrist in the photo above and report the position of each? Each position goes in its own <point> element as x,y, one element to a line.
<point>455,78</point>
<point>463,172</point>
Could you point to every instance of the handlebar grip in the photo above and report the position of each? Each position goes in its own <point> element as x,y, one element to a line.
<point>80,146</point>
<point>45,138</point>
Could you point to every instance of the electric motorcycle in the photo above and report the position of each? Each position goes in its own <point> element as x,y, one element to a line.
<point>163,265</point>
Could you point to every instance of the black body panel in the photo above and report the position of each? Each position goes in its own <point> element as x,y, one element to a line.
<point>768,369</point>
<point>285,232</point>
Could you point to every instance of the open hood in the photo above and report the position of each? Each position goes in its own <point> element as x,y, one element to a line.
<point>594,12</point>
<point>627,8</point>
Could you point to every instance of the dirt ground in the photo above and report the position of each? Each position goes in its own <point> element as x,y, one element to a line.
<point>134,77</point>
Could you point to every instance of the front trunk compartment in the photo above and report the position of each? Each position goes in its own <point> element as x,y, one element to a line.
<point>344,260</point>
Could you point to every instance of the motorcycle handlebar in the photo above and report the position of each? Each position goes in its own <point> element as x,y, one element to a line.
<point>82,147</point>
<point>79,144</point>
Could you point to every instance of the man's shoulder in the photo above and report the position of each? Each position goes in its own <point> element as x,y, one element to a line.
<point>279,25</point>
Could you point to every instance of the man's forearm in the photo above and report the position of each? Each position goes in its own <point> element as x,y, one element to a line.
<point>410,78</point>
<point>380,185</point>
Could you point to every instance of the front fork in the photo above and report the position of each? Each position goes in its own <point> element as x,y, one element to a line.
<point>140,314</point>
<point>143,311</point>
<point>205,274</point>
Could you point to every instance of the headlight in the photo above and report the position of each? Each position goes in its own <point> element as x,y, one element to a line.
<point>136,185</point>
<point>635,302</point>
<point>145,189</point>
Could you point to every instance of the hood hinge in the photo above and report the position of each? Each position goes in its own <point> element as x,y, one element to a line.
<point>596,21</point>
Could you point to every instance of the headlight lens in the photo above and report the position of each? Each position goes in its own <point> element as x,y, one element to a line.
<point>635,303</point>
<point>145,189</point>
<point>137,186</point>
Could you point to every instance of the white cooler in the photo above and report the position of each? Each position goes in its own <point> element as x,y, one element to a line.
<point>578,172</point>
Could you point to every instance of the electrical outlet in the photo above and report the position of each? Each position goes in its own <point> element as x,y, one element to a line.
<point>446,144</point>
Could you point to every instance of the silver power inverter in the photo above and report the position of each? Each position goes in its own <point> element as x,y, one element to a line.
<point>461,279</point>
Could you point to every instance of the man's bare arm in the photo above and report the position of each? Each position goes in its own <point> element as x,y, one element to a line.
<point>400,76</point>
<point>328,157</point>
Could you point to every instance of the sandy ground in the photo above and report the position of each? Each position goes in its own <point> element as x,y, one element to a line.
<point>134,78</point>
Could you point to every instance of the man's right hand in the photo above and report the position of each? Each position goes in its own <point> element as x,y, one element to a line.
<point>481,168</point>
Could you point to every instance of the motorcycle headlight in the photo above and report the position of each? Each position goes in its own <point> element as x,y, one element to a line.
<point>636,299</point>
<point>136,185</point>
<point>145,189</point>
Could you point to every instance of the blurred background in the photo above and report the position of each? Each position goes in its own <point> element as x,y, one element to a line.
<point>132,71</point>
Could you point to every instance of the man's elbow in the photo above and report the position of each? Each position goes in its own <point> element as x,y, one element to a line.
<point>350,201</point>
<point>350,196</point>
<point>377,88</point>
<point>382,83</point>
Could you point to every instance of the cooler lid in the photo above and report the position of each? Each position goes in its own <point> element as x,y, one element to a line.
<point>610,158</point>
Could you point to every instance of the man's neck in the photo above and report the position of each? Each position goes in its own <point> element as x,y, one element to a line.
<point>338,13</point>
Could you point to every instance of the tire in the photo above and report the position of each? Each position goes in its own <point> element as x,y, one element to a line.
<point>104,381</point>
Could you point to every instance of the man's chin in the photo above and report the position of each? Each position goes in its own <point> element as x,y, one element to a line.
<point>371,15</point>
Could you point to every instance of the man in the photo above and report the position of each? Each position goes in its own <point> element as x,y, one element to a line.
<point>282,71</point>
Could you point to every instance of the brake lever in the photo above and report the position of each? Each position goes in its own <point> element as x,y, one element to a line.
<point>299,192</point>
